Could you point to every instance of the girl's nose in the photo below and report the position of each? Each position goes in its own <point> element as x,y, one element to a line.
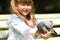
<point>26,6</point>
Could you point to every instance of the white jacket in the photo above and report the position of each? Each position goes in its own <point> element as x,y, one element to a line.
<point>18,30</point>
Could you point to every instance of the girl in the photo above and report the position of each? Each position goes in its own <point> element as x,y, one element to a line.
<point>22,23</point>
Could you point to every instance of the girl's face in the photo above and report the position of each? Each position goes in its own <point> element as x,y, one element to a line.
<point>24,9</point>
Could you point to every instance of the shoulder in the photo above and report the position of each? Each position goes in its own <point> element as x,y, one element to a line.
<point>14,18</point>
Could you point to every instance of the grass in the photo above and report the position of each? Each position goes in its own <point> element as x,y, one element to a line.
<point>3,38</point>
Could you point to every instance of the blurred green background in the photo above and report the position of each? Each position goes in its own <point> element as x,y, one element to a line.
<point>41,6</point>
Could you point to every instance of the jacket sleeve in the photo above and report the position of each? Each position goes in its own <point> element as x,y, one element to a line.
<point>18,25</point>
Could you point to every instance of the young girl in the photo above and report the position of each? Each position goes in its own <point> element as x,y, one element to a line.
<point>22,23</point>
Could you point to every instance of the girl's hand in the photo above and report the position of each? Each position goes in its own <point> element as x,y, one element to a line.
<point>46,35</point>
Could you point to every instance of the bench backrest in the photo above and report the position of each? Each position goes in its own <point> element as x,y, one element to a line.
<point>40,17</point>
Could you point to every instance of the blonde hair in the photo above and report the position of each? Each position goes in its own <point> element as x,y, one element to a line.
<point>14,2</point>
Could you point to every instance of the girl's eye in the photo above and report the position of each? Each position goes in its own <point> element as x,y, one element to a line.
<point>23,4</point>
<point>28,4</point>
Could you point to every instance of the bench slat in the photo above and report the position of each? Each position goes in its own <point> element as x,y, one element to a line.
<point>52,38</point>
<point>5,17</point>
<point>55,21</point>
<point>3,24</point>
<point>41,16</point>
<point>4,34</point>
<point>57,30</point>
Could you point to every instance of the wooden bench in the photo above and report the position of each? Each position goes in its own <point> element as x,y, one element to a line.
<point>40,17</point>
